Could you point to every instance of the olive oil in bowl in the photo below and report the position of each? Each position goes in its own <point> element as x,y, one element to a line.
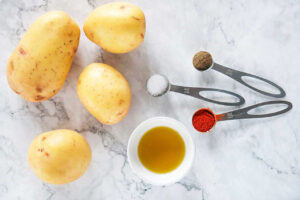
<point>161,149</point>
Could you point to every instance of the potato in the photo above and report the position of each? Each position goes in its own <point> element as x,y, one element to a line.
<point>104,92</point>
<point>59,156</point>
<point>116,27</point>
<point>38,67</point>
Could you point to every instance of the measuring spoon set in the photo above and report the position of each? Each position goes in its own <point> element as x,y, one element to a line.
<point>158,85</point>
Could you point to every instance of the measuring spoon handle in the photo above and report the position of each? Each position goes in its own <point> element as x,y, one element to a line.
<point>243,113</point>
<point>195,92</point>
<point>237,75</point>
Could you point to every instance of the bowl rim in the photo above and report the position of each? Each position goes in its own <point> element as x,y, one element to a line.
<point>164,178</point>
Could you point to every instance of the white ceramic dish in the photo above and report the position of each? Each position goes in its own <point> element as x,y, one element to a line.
<point>144,173</point>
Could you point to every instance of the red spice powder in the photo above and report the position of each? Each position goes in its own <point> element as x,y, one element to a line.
<point>203,120</point>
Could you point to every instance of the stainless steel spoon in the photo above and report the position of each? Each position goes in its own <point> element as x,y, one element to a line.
<point>158,85</point>
<point>203,61</point>
<point>244,112</point>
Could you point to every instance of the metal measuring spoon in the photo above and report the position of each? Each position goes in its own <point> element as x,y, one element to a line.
<point>203,61</point>
<point>243,113</point>
<point>158,85</point>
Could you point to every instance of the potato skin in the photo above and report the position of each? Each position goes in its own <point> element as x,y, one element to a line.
<point>116,27</point>
<point>59,156</point>
<point>38,67</point>
<point>104,92</point>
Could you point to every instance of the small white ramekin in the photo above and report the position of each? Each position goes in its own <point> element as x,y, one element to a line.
<point>143,172</point>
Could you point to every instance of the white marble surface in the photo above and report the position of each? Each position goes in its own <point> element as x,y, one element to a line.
<point>246,159</point>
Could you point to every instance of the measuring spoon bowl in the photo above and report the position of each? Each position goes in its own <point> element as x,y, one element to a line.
<point>198,112</point>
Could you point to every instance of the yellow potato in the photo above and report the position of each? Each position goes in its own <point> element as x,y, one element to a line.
<point>38,67</point>
<point>59,156</point>
<point>104,92</point>
<point>117,27</point>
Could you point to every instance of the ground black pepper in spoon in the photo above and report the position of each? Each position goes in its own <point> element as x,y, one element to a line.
<point>203,61</point>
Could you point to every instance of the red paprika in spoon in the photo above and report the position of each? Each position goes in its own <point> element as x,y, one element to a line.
<point>203,120</point>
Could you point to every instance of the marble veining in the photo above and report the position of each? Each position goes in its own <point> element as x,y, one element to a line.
<point>245,159</point>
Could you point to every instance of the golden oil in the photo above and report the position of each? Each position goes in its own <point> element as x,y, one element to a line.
<point>161,149</point>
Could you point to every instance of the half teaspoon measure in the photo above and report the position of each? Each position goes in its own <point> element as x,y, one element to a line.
<point>158,85</point>
<point>203,61</point>
<point>204,119</point>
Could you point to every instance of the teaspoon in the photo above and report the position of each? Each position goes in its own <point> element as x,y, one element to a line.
<point>158,85</point>
<point>243,113</point>
<point>203,61</point>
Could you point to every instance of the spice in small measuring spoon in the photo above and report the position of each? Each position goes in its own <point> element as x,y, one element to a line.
<point>204,119</point>
<point>158,85</point>
<point>203,61</point>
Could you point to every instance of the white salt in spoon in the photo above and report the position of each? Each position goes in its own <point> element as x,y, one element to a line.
<point>158,85</point>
